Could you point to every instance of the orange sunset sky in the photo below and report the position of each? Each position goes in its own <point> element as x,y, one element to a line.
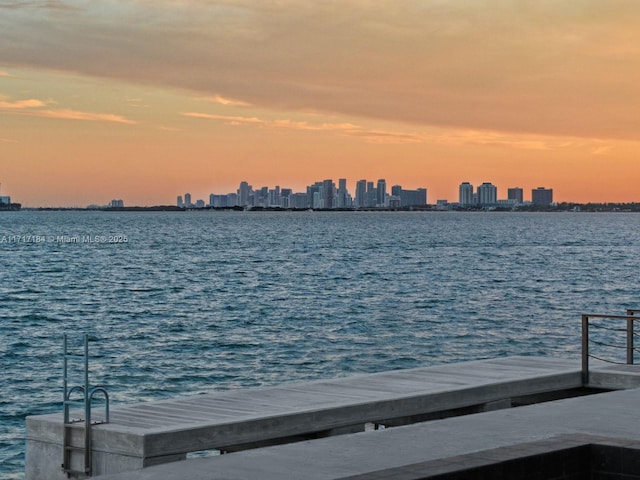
<point>145,100</point>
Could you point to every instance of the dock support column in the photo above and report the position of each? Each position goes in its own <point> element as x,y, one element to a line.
<point>630,337</point>
<point>585,350</point>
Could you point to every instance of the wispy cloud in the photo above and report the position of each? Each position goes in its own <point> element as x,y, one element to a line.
<point>7,140</point>
<point>66,114</point>
<point>302,125</point>
<point>348,129</point>
<point>229,119</point>
<point>228,101</point>
<point>498,139</point>
<point>34,108</point>
<point>449,137</point>
<point>384,137</point>
<point>21,104</point>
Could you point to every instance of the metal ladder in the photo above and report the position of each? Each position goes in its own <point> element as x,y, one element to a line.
<point>87,393</point>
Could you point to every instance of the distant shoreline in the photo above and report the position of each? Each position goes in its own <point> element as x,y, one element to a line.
<point>562,207</point>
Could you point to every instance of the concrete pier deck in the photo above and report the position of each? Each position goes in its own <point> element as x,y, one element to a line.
<point>424,450</point>
<point>143,435</point>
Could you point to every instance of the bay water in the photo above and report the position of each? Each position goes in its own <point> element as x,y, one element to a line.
<point>182,303</point>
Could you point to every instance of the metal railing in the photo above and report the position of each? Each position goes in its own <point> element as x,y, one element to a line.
<point>87,394</point>
<point>630,319</point>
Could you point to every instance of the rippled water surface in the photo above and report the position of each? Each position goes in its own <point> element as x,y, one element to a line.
<point>202,301</point>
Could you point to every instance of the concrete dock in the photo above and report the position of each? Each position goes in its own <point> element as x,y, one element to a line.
<point>140,436</point>
<point>433,448</point>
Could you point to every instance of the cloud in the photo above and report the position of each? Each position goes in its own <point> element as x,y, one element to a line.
<point>301,125</point>
<point>549,68</point>
<point>229,119</point>
<point>449,137</point>
<point>33,107</point>
<point>228,101</point>
<point>383,137</point>
<point>498,139</point>
<point>21,104</point>
<point>347,129</point>
<point>66,114</point>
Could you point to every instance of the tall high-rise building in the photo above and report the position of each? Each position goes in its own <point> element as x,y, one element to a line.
<point>243,194</point>
<point>343,194</point>
<point>180,202</point>
<point>274,198</point>
<point>329,193</point>
<point>187,200</point>
<point>372,195</point>
<point>542,196</point>
<point>285,197</point>
<point>515,194</point>
<point>315,195</point>
<point>487,194</point>
<point>465,194</point>
<point>381,195</point>
<point>361,194</point>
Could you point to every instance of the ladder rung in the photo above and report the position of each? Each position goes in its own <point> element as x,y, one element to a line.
<point>73,472</point>
<point>71,448</point>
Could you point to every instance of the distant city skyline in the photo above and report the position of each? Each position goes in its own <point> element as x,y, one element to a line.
<point>368,194</point>
<point>96,104</point>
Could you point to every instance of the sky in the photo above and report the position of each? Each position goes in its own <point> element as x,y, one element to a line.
<point>146,100</point>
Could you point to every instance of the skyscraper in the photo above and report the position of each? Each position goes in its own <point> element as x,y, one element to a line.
<point>342,193</point>
<point>381,193</point>
<point>516,194</point>
<point>361,193</point>
<point>313,195</point>
<point>465,194</point>
<point>243,194</point>
<point>487,194</point>
<point>329,193</point>
<point>372,195</point>
<point>542,196</point>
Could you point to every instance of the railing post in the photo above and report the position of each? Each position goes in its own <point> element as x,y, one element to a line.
<point>585,350</point>
<point>87,409</point>
<point>630,322</point>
